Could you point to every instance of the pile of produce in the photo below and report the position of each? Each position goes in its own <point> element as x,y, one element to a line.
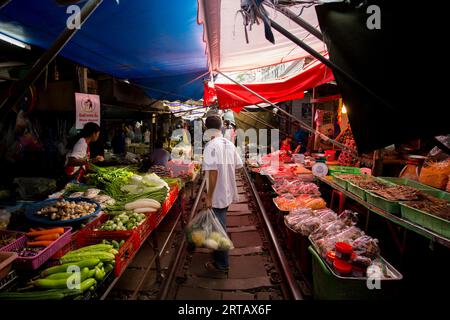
<point>364,181</point>
<point>43,237</point>
<point>124,221</point>
<point>432,205</point>
<point>385,190</point>
<point>93,263</point>
<point>89,193</point>
<point>435,173</point>
<point>38,240</point>
<point>306,221</point>
<point>7,238</point>
<point>288,202</point>
<point>161,171</point>
<point>116,245</point>
<point>142,184</point>
<point>278,172</point>
<point>352,177</point>
<point>346,248</point>
<point>214,240</point>
<point>104,177</point>
<point>296,187</point>
<point>371,184</point>
<point>398,193</point>
<point>67,210</point>
<point>150,189</point>
<point>280,156</point>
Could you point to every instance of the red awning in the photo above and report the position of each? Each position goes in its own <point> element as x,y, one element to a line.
<point>234,97</point>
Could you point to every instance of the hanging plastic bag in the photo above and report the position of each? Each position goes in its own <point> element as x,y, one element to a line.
<point>436,169</point>
<point>206,231</point>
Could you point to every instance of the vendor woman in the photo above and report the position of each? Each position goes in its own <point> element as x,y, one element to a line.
<point>286,145</point>
<point>78,157</point>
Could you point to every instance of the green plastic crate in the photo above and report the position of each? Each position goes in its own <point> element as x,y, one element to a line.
<point>386,205</point>
<point>328,286</point>
<point>426,220</point>
<point>357,191</point>
<point>340,182</point>
<point>422,187</point>
<point>343,170</point>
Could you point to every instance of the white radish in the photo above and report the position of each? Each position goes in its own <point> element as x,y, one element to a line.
<point>143,203</point>
<point>144,210</point>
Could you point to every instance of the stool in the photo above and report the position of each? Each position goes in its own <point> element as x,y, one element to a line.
<point>341,201</point>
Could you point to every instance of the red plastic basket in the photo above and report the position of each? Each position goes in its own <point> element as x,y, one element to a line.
<point>16,243</point>
<point>38,260</point>
<point>143,230</point>
<point>126,251</point>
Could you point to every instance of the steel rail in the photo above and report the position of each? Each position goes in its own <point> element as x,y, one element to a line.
<point>158,252</point>
<point>295,291</point>
<point>166,286</point>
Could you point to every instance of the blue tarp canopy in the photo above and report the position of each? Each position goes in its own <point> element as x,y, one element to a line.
<point>155,44</point>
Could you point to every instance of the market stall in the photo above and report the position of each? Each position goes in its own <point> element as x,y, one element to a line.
<point>332,245</point>
<point>86,234</point>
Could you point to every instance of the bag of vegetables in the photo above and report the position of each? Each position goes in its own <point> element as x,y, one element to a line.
<point>206,231</point>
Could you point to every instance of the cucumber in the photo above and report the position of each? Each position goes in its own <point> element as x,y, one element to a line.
<point>103,256</point>
<point>60,275</point>
<point>108,268</point>
<point>59,283</point>
<point>115,244</point>
<point>89,263</point>
<point>33,295</point>
<point>93,248</point>
<point>99,274</point>
<point>87,284</point>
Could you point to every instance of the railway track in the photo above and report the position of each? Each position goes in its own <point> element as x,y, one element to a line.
<point>259,268</point>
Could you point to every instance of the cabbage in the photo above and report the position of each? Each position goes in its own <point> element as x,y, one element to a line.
<point>150,189</point>
<point>225,244</point>
<point>216,236</point>
<point>130,188</point>
<point>136,179</point>
<point>152,180</point>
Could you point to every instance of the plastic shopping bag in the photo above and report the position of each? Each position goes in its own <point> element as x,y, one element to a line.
<point>206,231</point>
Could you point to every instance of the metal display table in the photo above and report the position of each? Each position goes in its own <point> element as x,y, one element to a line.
<point>389,216</point>
<point>175,197</point>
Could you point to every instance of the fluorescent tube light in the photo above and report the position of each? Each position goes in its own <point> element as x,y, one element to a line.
<point>13,41</point>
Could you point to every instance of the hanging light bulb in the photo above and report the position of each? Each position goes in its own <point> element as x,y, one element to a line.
<point>344,109</point>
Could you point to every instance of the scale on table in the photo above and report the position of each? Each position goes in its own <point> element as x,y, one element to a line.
<point>320,169</point>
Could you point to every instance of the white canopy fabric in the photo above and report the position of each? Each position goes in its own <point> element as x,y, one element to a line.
<point>226,43</point>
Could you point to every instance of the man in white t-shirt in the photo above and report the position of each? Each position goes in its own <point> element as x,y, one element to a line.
<point>220,161</point>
